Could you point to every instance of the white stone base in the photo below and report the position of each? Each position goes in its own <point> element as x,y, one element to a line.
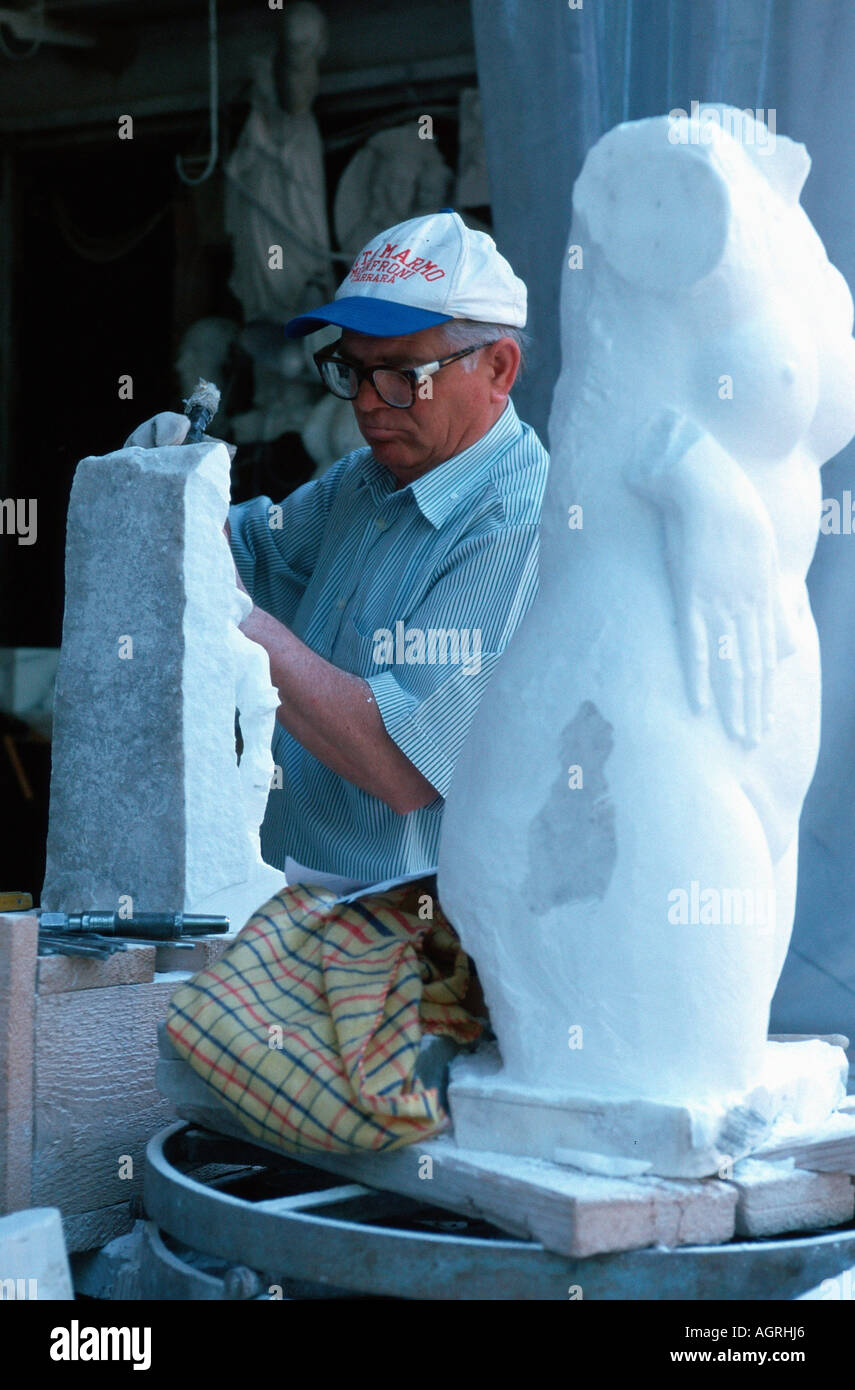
<point>803,1080</point>
<point>33,1259</point>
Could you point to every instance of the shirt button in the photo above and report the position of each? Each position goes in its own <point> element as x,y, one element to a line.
<point>380,522</point>
<point>342,603</point>
<point>453,496</point>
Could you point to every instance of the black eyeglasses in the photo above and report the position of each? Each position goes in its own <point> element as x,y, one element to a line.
<point>396,386</point>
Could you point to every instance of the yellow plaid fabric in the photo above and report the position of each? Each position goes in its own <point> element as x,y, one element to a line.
<point>308,1027</point>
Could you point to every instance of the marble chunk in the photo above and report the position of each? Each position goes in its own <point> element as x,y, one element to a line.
<point>33,1259</point>
<point>150,810</point>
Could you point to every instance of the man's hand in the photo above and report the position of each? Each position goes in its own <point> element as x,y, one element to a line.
<point>159,432</point>
<point>166,429</point>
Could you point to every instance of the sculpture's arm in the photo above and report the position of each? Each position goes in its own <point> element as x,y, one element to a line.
<point>723,570</point>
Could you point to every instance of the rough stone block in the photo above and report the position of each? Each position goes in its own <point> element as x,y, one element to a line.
<point>149,806</point>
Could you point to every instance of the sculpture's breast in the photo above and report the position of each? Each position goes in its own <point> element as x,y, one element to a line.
<point>756,386</point>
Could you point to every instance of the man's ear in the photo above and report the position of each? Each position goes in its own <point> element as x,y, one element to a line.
<point>658,209</point>
<point>505,363</point>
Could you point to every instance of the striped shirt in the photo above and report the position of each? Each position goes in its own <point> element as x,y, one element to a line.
<point>416,589</point>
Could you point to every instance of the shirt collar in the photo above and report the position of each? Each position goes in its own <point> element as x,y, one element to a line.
<point>440,491</point>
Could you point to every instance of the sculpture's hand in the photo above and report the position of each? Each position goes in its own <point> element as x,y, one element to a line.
<point>724,574</point>
<point>723,569</point>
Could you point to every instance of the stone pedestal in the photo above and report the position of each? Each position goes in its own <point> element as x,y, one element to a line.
<point>628,1137</point>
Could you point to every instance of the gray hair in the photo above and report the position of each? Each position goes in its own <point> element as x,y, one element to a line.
<point>462,333</point>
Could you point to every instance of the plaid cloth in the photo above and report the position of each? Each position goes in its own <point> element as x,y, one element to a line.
<point>308,1027</point>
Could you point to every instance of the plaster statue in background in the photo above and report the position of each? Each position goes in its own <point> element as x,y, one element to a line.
<point>275,186</point>
<point>394,176</point>
<point>149,809</point>
<point>276,198</point>
<point>619,844</point>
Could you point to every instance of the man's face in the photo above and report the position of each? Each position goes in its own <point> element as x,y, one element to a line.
<point>463,406</point>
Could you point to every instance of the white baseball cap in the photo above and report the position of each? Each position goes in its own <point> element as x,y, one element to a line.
<point>420,273</point>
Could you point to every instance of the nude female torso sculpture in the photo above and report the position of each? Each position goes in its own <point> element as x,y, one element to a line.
<point>633,781</point>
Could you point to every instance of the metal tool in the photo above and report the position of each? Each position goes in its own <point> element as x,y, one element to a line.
<point>146,926</point>
<point>101,933</point>
<point>200,408</point>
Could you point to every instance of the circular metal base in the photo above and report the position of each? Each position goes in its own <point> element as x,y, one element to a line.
<point>303,1233</point>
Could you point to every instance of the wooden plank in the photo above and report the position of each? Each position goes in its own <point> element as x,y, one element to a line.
<point>95,1097</point>
<point>62,974</point>
<point>775,1197</point>
<point>830,1148</point>
<point>18,947</point>
<point>570,1212</point>
<point>137,964</point>
<point>202,952</point>
<point>89,1230</point>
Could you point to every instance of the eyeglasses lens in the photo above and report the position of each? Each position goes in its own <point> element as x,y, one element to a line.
<point>343,381</point>
<point>340,379</point>
<point>393,387</point>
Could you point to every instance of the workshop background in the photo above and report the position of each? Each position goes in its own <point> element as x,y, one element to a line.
<point>119,281</point>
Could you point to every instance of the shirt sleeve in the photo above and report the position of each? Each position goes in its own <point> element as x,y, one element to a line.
<point>275,545</point>
<point>470,611</point>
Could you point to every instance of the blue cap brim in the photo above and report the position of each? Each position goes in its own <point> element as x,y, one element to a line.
<point>378,318</point>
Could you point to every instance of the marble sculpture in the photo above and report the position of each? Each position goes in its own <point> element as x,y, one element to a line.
<point>619,844</point>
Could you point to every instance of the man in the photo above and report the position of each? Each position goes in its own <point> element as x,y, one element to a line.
<point>385,591</point>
